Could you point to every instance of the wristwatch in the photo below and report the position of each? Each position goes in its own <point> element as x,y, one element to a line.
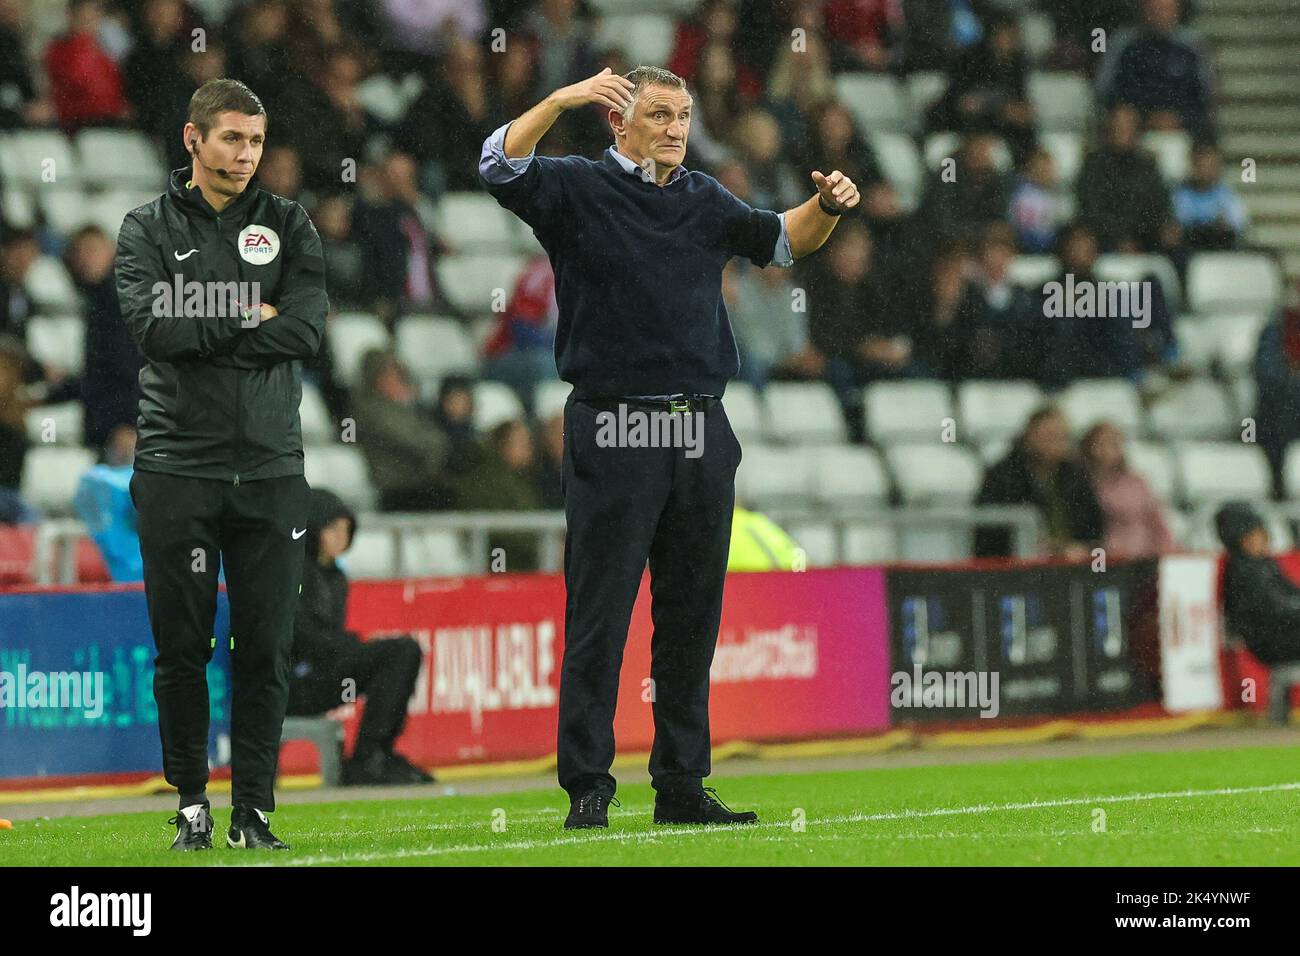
<point>829,210</point>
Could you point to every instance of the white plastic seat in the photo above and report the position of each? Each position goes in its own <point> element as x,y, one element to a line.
<point>924,87</point>
<point>108,209</point>
<point>66,209</point>
<point>774,477</point>
<point>477,221</point>
<point>1236,339</point>
<point>1067,154</point>
<point>1211,472</point>
<point>65,420</point>
<point>342,469</point>
<point>645,38</point>
<point>1153,461</point>
<point>1136,268</point>
<point>936,473</point>
<point>1033,272</point>
<point>1089,401</point>
<point>50,476</point>
<point>318,428</point>
<point>473,280</point>
<point>119,157</point>
<point>946,145</point>
<point>1291,471</point>
<point>432,346</point>
<point>372,556</point>
<point>804,413</point>
<point>494,403</point>
<point>877,102</point>
<point>1061,101</point>
<point>58,340</point>
<point>817,541</point>
<point>1173,152</point>
<point>908,411</point>
<point>849,478</point>
<point>869,544</point>
<point>1194,409</point>
<point>549,399</point>
<point>744,410</point>
<point>901,165</point>
<point>1233,282</point>
<point>434,552</point>
<point>995,409</point>
<point>351,335</point>
<point>29,157</point>
<point>50,286</point>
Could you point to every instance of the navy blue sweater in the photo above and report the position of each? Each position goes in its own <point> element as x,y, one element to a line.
<point>638,272</point>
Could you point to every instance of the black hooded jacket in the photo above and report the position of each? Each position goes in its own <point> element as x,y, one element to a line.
<point>219,396</point>
<point>319,634</point>
<point>1260,603</point>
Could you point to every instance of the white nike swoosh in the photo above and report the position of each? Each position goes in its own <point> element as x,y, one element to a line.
<point>182,258</point>
<point>298,534</point>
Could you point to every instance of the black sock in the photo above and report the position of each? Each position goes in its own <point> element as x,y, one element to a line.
<point>197,799</point>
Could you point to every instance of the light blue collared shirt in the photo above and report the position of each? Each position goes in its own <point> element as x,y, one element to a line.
<point>497,167</point>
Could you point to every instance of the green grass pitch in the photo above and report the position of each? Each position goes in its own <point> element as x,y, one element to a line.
<point>1217,807</point>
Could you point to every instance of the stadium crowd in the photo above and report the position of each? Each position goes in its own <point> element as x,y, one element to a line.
<point>920,285</point>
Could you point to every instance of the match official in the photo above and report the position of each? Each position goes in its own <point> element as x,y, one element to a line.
<point>219,464</point>
<point>638,244</point>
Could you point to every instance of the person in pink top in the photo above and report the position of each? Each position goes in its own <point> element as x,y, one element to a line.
<point>1134,520</point>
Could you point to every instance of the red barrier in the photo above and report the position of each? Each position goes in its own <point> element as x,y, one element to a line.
<point>799,656</point>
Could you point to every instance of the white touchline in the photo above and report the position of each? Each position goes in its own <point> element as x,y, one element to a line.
<point>649,836</point>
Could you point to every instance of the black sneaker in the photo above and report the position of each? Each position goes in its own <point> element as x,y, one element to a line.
<point>250,830</point>
<point>193,828</point>
<point>403,771</point>
<point>591,810</point>
<point>701,806</point>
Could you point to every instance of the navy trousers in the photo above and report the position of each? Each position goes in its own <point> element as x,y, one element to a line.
<point>625,506</point>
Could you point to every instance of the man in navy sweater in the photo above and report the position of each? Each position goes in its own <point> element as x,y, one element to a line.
<point>638,243</point>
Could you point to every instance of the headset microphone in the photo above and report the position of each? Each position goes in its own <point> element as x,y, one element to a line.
<point>194,148</point>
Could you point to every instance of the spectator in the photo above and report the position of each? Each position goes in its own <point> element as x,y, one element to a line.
<point>773,184</point>
<point>771,333</point>
<point>564,43</point>
<point>550,495</point>
<point>1260,603</point>
<point>280,172</point>
<point>759,544</point>
<point>1006,339</point>
<point>929,43</point>
<point>1211,215</point>
<point>103,501</point>
<point>85,82</point>
<point>345,266</point>
<point>1036,209</point>
<point>423,29</point>
<point>19,252</point>
<point>799,87</point>
<point>1039,471</point>
<point>1160,69</point>
<point>324,120</point>
<point>20,102</point>
<point>1277,378</point>
<point>153,64</point>
<point>1132,516</point>
<point>259,55</point>
<point>947,315</point>
<point>504,482</point>
<point>987,92</point>
<point>1122,196</point>
<point>405,449</point>
<point>1079,26</point>
<point>713,20</point>
<point>454,414</point>
<point>397,244</point>
<point>328,659</point>
<point>719,99</point>
<point>13,432</point>
<point>963,198</point>
<point>521,349</point>
<point>865,34</point>
<point>1083,345</point>
<point>110,387</point>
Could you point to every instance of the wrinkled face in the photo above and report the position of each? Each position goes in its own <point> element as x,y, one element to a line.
<point>235,144</point>
<point>658,129</point>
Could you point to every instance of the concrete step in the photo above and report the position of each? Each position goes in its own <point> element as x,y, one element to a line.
<point>1262,146</point>
<point>1267,207</point>
<point>1248,7</point>
<point>1237,117</point>
<point>1282,236</point>
<point>1258,56</point>
<point>1216,27</point>
<point>1252,86</point>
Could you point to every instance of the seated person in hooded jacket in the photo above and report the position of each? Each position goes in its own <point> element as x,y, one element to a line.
<point>329,661</point>
<point>1260,603</point>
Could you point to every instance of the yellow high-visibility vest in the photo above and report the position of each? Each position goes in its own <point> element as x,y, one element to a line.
<point>758,544</point>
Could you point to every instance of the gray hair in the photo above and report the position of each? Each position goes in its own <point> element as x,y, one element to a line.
<point>644,76</point>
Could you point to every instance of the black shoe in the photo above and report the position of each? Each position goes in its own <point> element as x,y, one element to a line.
<point>591,810</point>
<point>369,771</point>
<point>249,830</point>
<point>193,828</point>
<point>405,771</point>
<point>700,806</point>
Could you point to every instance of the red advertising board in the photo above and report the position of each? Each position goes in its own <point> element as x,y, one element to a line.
<point>800,655</point>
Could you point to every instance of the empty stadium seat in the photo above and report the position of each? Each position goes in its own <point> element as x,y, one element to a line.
<point>373,554</point>
<point>924,87</point>
<point>817,540</point>
<point>1038,35</point>
<point>645,38</point>
<point>50,286</point>
<point>108,209</point>
<point>1236,339</point>
<point>1113,400</point>
<point>1067,154</point>
<point>1194,409</point>
<point>120,158</point>
<point>66,420</point>
<point>342,469</point>
<point>1153,461</point>
<point>1291,471</point>
<point>434,553</point>
<point>1136,268</point>
<point>946,145</point>
<point>1198,342</point>
<point>351,335</point>
<point>433,346</point>
<point>1233,282</point>
<point>38,159</point>
<point>876,101</point>
<point>804,413</point>
<point>477,221</point>
<point>1033,272</point>
<point>65,209</point>
<point>909,411</point>
<point>476,281</point>
<point>744,410</point>
<point>549,399</point>
<point>50,476</point>
<point>58,340</point>
<point>901,165</point>
<point>774,477</point>
<point>995,409</point>
<point>318,426</point>
<point>1173,152</point>
<point>936,473</point>
<point>869,544</point>
<point>849,478</point>
<point>1210,472</point>
<point>1245,395</point>
<point>494,403</point>
<point>1061,101</point>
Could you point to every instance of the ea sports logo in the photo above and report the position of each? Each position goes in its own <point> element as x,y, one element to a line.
<point>259,244</point>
